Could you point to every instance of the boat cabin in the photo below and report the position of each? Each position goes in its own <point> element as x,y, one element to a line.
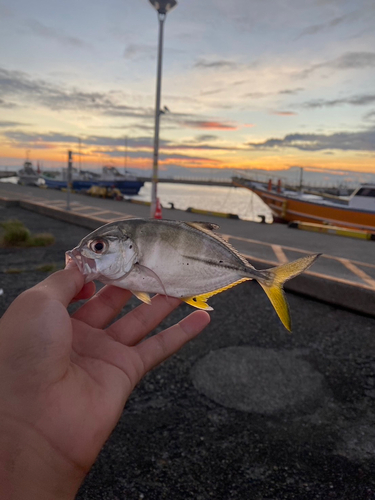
<point>363,198</point>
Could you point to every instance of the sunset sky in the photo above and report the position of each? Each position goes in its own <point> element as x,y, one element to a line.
<point>249,83</point>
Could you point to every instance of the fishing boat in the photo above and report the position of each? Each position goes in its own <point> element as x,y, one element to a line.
<point>82,180</point>
<point>27,176</point>
<point>356,211</point>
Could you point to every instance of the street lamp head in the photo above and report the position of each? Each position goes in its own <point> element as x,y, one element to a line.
<point>163,6</point>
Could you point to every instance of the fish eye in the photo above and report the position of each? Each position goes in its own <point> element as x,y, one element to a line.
<point>98,246</point>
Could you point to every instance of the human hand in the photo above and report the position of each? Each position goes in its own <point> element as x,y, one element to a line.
<point>64,380</point>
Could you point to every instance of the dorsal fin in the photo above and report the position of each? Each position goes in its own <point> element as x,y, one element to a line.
<point>203,226</point>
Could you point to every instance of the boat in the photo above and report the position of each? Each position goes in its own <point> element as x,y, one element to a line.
<point>355,212</point>
<point>82,180</point>
<point>27,176</point>
<point>126,183</point>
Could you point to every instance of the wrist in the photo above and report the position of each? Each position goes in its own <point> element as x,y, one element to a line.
<point>31,469</point>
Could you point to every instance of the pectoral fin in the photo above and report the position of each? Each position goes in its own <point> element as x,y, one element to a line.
<point>143,296</point>
<point>200,301</point>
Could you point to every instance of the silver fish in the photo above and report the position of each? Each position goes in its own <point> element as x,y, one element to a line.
<point>187,260</point>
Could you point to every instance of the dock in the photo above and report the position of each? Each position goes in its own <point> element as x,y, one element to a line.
<point>189,180</point>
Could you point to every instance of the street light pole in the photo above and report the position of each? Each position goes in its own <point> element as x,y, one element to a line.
<point>162,7</point>
<point>161,18</point>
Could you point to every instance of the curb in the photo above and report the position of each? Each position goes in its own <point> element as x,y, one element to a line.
<point>341,295</point>
<point>138,202</point>
<point>208,212</point>
<point>338,231</point>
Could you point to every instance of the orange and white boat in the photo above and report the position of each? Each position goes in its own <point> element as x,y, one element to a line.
<point>356,212</point>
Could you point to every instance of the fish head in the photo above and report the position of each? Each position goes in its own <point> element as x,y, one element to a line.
<point>106,254</point>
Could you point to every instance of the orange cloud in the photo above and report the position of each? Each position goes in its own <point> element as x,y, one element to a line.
<point>211,125</point>
<point>283,113</point>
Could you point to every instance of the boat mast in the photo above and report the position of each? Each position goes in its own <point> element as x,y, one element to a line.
<point>79,147</point>
<point>301,179</point>
<point>126,154</point>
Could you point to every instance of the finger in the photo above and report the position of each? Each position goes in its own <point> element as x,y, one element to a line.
<point>133,327</point>
<point>103,307</point>
<point>87,292</point>
<point>63,285</point>
<point>158,348</point>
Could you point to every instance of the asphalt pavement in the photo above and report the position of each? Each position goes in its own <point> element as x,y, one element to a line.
<point>246,411</point>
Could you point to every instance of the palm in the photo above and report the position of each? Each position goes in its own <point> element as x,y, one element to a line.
<point>76,376</point>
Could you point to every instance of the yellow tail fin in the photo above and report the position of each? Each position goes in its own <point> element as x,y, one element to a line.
<point>273,280</point>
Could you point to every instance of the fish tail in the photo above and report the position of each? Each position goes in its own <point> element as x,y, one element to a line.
<point>273,279</point>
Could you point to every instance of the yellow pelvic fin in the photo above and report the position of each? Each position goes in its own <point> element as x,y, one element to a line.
<point>274,279</point>
<point>200,301</point>
<point>143,296</point>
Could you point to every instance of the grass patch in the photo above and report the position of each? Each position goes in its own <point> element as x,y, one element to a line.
<point>15,234</point>
<point>13,270</point>
<point>41,240</point>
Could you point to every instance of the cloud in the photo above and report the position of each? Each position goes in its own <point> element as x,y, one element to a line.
<point>370,115</point>
<point>260,95</point>
<point>211,92</point>
<point>356,100</point>
<point>8,105</point>
<point>144,143</point>
<point>206,138</point>
<point>219,64</point>
<point>350,60</point>
<point>213,125</point>
<point>19,86</point>
<point>27,91</point>
<point>39,29</point>
<point>7,124</point>
<point>283,113</point>
<point>137,147</point>
<point>291,91</point>
<point>134,51</point>
<point>34,137</point>
<point>315,29</point>
<point>343,141</point>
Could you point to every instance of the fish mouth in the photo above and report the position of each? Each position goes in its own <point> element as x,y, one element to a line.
<point>86,265</point>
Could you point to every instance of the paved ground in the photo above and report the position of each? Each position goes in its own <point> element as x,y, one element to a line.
<point>246,411</point>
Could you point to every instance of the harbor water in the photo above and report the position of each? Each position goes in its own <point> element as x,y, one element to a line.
<point>231,200</point>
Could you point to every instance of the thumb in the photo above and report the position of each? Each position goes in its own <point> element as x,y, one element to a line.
<point>63,285</point>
